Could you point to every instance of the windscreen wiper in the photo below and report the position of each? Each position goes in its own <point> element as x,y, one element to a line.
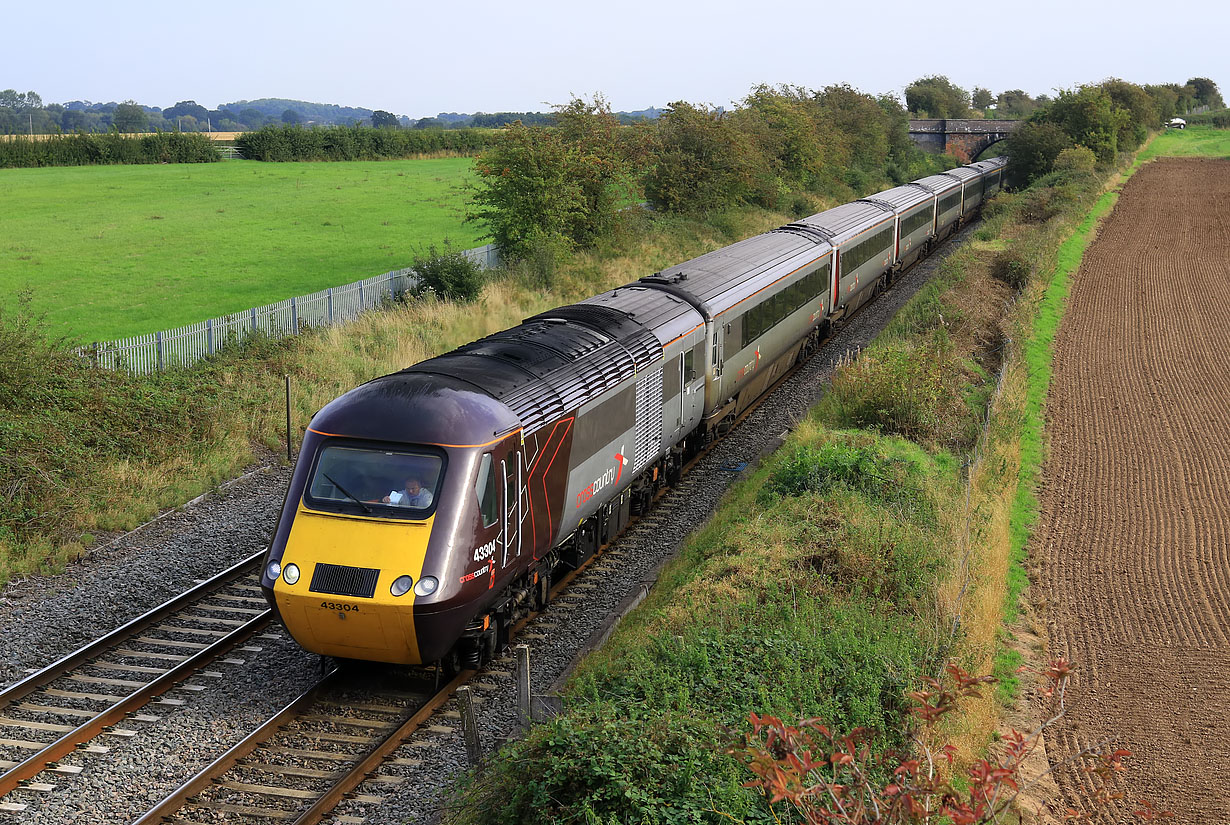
<point>348,494</point>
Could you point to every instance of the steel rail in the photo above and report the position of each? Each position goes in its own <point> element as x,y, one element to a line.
<point>53,671</point>
<point>47,756</point>
<point>356,775</point>
<point>329,799</point>
<point>66,744</point>
<point>180,796</point>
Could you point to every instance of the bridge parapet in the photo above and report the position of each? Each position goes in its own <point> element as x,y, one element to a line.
<point>964,138</point>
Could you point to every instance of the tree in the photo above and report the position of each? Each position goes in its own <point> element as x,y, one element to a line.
<point>384,120</point>
<point>1143,111</point>
<point>703,161</point>
<point>1032,150</point>
<point>554,188</point>
<point>936,96</point>
<point>1015,103</point>
<point>252,118</point>
<point>524,192</point>
<point>129,117</point>
<point>982,98</point>
<point>1207,93</point>
<point>291,117</point>
<point>788,123</point>
<point>1090,117</point>
<point>185,108</point>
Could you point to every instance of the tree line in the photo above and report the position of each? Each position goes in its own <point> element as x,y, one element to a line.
<point>26,113</point>
<point>1092,124</point>
<point>935,96</point>
<point>546,190</point>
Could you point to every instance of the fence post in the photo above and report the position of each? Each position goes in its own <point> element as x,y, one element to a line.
<point>392,295</point>
<point>523,685</point>
<point>329,292</point>
<point>161,362</point>
<point>362,303</point>
<point>254,319</point>
<point>294,317</point>
<point>469,725</point>
<point>209,336</point>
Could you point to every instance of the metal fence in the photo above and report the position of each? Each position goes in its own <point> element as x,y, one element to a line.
<point>156,351</point>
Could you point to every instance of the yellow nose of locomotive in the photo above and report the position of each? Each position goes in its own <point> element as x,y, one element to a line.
<point>342,601</point>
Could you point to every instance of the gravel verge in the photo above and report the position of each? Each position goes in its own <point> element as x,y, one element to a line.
<point>45,618</point>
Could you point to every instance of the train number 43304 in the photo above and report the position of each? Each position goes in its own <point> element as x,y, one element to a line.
<point>345,608</point>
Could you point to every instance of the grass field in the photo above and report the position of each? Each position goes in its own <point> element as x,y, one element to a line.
<point>1193,141</point>
<point>112,251</point>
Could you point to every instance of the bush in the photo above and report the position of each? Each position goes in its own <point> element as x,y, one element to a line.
<point>110,148</point>
<point>282,143</point>
<point>1015,266</point>
<point>1076,160</point>
<point>448,274</point>
<point>907,388</point>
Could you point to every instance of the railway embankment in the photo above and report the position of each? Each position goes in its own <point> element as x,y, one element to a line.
<point>884,538</point>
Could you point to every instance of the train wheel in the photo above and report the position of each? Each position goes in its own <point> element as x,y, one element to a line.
<point>448,667</point>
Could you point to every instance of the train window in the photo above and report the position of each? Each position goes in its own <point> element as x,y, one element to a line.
<point>373,481</point>
<point>484,488</point>
<point>671,385</point>
<point>918,220</point>
<point>949,201</point>
<point>751,326</point>
<point>689,365</point>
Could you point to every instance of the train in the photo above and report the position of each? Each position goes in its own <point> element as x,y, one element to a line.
<point>431,509</point>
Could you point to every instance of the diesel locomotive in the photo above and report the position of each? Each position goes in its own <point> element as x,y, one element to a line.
<point>431,509</point>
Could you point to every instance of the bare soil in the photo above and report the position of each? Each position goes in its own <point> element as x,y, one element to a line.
<point>1132,550</point>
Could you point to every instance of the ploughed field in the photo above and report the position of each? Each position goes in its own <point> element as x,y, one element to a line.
<point>1133,543</point>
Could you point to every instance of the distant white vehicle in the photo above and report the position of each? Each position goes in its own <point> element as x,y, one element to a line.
<point>1176,123</point>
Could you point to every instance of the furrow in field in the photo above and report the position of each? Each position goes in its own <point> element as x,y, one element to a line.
<point>1134,539</point>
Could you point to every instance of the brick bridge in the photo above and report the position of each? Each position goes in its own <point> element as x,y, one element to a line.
<point>963,139</point>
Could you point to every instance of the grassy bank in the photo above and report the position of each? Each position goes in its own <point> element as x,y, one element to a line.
<point>111,251</point>
<point>85,451</point>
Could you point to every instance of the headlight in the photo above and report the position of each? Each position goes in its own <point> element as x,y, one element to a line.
<point>426,586</point>
<point>401,585</point>
<point>290,573</point>
<point>273,571</point>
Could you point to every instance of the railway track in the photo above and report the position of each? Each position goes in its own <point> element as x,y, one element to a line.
<point>298,765</point>
<point>84,696</point>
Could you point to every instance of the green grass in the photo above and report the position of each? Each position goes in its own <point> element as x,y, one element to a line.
<point>1039,353</point>
<point>112,251</point>
<point>1194,141</point>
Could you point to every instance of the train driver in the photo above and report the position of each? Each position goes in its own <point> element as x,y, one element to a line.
<point>413,495</point>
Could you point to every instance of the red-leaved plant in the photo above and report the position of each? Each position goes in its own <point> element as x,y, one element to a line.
<point>832,779</point>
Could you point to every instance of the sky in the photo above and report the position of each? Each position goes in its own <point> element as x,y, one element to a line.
<point>419,59</point>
